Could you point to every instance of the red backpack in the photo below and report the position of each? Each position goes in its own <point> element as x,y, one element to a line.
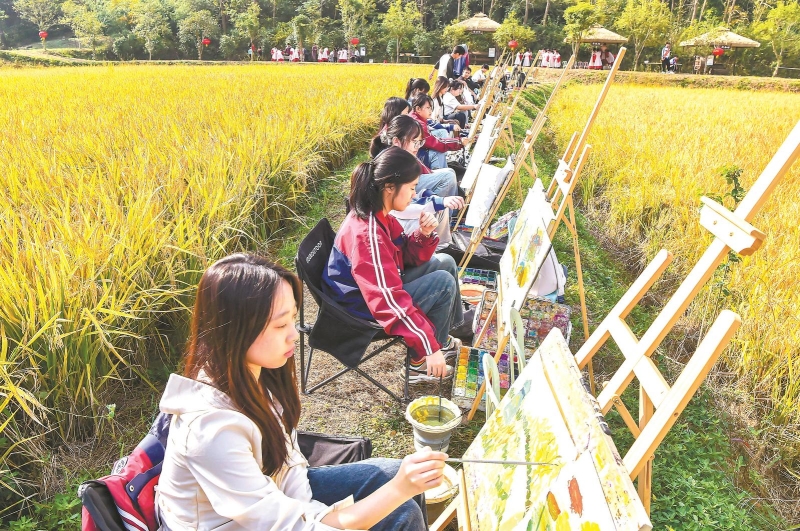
<point>125,499</point>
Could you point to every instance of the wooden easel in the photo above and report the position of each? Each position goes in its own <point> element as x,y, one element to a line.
<point>520,161</point>
<point>559,192</point>
<point>659,404</point>
<point>505,132</point>
<point>487,96</point>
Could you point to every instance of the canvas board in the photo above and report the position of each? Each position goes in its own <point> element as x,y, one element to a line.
<point>526,251</point>
<point>549,417</point>
<point>479,151</point>
<point>490,181</point>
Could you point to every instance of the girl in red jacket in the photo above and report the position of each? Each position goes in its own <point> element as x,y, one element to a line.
<point>432,152</point>
<point>378,272</point>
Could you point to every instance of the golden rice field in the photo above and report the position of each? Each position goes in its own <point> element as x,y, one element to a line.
<point>119,184</point>
<point>656,150</point>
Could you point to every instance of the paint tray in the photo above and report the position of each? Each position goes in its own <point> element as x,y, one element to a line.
<point>539,316</point>
<point>469,376</point>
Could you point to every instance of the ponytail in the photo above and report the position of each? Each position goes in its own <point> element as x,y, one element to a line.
<point>403,128</point>
<point>393,166</point>
<point>394,106</point>
<point>419,84</point>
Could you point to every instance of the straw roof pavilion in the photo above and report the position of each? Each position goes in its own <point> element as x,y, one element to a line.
<point>722,37</point>
<point>479,23</point>
<point>602,35</point>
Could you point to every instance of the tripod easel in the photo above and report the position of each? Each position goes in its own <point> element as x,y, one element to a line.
<point>659,404</point>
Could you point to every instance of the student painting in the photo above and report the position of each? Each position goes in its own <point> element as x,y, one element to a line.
<point>232,460</point>
<point>433,150</point>
<point>394,106</point>
<point>454,109</point>
<point>437,190</point>
<point>479,77</point>
<point>378,272</point>
<point>441,88</point>
<point>472,87</point>
<point>415,87</point>
<point>445,63</point>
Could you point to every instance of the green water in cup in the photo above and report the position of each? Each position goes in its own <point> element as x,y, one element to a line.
<point>430,415</point>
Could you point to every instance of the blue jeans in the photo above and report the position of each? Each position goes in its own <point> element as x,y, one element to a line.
<point>433,287</point>
<point>330,484</point>
<point>441,182</point>
<point>433,159</point>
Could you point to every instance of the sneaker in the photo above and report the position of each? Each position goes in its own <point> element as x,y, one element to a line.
<point>451,348</point>
<point>419,374</point>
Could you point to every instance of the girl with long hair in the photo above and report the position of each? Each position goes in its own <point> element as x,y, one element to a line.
<point>415,87</point>
<point>432,152</point>
<point>378,272</point>
<point>394,106</point>
<point>454,108</point>
<point>437,190</point>
<point>232,460</point>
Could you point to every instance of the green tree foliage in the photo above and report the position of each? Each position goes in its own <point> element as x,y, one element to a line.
<point>782,30</point>
<point>302,26</point>
<point>400,22</point>
<point>512,30</point>
<point>195,27</point>
<point>579,18</point>
<point>85,23</point>
<point>453,35</point>
<point>151,25</point>
<point>246,17</point>
<point>43,13</point>
<point>355,15</point>
<point>644,22</point>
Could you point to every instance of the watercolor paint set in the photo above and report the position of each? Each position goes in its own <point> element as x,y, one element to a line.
<point>469,376</point>
<point>539,316</point>
<point>482,277</point>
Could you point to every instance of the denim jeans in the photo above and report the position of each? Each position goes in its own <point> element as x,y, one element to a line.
<point>441,182</point>
<point>433,159</point>
<point>433,287</point>
<point>440,133</point>
<point>330,484</point>
<point>459,116</point>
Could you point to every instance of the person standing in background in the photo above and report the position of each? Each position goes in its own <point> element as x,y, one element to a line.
<point>445,63</point>
<point>666,51</point>
<point>314,53</point>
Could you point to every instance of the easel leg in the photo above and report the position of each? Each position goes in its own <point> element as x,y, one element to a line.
<point>573,227</point>
<point>645,478</point>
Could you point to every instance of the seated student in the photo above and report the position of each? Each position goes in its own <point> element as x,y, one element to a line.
<point>376,271</point>
<point>449,127</point>
<point>479,77</point>
<point>437,190</point>
<point>453,108</point>
<point>433,150</point>
<point>394,106</point>
<point>415,87</point>
<point>470,96</point>
<point>232,459</point>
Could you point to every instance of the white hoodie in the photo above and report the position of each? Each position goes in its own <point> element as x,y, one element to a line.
<point>211,477</point>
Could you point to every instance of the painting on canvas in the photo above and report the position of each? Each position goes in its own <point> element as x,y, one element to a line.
<point>526,250</point>
<point>548,418</point>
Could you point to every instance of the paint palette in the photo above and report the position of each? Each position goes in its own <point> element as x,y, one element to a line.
<point>469,376</point>
<point>483,277</point>
<point>539,316</point>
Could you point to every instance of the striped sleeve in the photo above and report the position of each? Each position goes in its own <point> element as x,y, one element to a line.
<point>381,286</point>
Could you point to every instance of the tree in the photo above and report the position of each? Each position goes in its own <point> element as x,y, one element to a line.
<point>150,24</point>
<point>194,28</point>
<point>302,28</point>
<point>579,18</point>
<point>43,13</point>
<point>85,24</point>
<point>454,35</point>
<point>645,22</point>
<point>248,23</point>
<point>400,21</point>
<point>355,14</point>
<point>512,30</point>
<point>782,29</point>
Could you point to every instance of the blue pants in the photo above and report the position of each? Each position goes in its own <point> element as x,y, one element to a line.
<point>433,159</point>
<point>441,182</point>
<point>433,287</point>
<point>330,484</point>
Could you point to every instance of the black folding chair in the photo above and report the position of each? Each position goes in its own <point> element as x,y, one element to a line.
<point>335,331</point>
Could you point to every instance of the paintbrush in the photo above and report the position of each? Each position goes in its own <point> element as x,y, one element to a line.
<point>497,462</point>
<point>440,398</point>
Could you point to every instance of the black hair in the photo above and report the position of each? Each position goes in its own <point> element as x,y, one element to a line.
<point>459,50</point>
<point>417,84</point>
<point>421,100</point>
<point>401,127</point>
<point>456,84</point>
<point>393,107</point>
<point>393,165</point>
<point>485,67</point>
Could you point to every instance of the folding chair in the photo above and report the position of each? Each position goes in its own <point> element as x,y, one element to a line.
<point>335,330</point>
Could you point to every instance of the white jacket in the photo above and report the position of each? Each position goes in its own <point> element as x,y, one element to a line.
<point>211,476</point>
